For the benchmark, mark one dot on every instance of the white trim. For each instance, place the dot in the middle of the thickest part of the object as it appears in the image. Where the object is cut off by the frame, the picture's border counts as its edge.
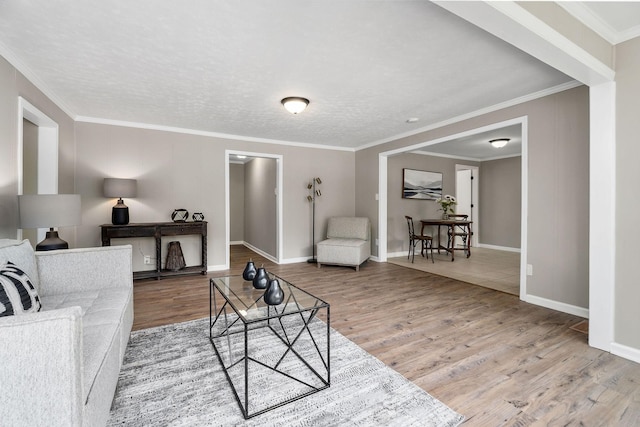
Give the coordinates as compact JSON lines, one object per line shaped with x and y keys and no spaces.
{"x":382,"y":187}
{"x":602,"y":214}
{"x":35,"y":80}
{"x":261,"y":252}
{"x":499,"y":248}
{"x":48,"y":143}
{"x":524,"y":207}
{"x":515,"y":25}
{"x":279,"y":204}
{"x":558,"y":306}
{"x":469,"y":159}
{"x":586,"y":15}
{"x":516,"y":101}
{"x":186,"y":131}
{"x":382,"y":207}
{"x":510,"y":103}
{"x":621,"y":350}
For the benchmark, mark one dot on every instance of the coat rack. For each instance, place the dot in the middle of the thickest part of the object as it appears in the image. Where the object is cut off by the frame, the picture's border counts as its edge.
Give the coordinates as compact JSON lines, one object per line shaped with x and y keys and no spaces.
{"x":314,"y":193}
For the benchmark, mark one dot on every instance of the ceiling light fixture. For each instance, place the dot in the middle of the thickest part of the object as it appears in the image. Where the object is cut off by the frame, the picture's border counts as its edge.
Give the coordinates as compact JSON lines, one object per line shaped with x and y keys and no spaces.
{"x":295,"y":104}
{"x":500,"y":142}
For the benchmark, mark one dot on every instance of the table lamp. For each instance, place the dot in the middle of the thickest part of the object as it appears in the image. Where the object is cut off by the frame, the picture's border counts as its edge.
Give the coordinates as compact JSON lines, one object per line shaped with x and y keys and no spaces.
{"x":49,"y":210}
{"x":116,"y":187}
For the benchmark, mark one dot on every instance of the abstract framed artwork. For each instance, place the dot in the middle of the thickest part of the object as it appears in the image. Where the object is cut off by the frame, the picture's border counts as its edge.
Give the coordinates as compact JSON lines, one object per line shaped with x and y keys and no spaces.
{"x":421,"y":185}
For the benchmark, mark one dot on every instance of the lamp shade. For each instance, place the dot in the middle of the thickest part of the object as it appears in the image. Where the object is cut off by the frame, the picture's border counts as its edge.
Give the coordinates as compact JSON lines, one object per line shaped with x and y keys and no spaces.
{"x":117,"y":187}
{"x":49,"y":210}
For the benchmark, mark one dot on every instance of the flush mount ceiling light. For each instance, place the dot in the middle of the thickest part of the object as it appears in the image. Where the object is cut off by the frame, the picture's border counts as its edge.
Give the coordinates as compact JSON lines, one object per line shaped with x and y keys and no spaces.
{"x":295,"y":104}
{"x":500,"y":142}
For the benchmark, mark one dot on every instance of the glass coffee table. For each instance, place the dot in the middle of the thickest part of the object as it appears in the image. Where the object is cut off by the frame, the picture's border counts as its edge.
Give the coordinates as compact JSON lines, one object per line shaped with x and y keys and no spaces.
{"x":271,"y":354}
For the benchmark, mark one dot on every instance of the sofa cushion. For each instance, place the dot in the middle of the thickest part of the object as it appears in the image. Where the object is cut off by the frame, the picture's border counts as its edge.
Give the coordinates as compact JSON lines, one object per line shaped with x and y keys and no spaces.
{"x":21,"y":254}
{"x":17,"y":293}
{"x":102,"y":313}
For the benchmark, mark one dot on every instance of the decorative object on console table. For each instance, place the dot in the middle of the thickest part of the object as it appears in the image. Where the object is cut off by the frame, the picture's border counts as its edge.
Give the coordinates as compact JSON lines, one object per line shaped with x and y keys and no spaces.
{"x":116,"y":187}
{"x":274,"y":293}
{"x":315,"y":192}
{"x":175,"y":258}
{"x":49,"y":210}
{"x":158,"y":230}
{"x":180,"y":215}
{"x":249,"y":271}
{"x":198,"y":216}
{"x":261,"y":279}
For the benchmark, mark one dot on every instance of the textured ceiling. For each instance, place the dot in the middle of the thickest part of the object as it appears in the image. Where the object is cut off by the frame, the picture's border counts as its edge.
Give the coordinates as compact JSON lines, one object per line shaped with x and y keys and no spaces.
{"x":223,"y":66}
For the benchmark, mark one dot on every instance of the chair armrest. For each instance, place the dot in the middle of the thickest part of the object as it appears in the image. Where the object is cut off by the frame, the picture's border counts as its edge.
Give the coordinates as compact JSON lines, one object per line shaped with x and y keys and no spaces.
{"x":41,"y":369}
{"x":74,"y":270}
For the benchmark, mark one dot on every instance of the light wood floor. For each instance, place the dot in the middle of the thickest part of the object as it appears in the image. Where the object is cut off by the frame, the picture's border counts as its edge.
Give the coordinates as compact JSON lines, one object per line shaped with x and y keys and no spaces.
{"x":487,"y":355}
{"x":493,"y":269}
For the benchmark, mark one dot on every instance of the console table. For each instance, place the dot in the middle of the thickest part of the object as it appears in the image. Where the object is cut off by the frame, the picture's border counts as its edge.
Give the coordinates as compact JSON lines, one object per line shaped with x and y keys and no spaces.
{"x":157,"y":230}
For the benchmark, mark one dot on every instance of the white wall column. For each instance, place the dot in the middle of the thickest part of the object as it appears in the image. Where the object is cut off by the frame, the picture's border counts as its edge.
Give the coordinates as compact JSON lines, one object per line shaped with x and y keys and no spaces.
{"x":602,"y":227}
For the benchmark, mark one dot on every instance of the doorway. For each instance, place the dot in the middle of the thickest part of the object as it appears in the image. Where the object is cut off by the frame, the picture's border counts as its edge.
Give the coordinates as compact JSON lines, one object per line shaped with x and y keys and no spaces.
{"x":383,"y":225}
{"x":265,"y":193}
{"x":37,"y":158}
{"x":467,"y":193}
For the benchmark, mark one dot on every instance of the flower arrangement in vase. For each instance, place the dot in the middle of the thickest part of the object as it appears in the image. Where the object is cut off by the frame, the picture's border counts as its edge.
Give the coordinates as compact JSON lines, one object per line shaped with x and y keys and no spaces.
{"x":446,"y":205}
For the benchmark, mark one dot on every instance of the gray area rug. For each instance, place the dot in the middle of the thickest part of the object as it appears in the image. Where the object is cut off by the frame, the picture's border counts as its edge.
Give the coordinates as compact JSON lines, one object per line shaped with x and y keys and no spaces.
{"x":172,"y":377}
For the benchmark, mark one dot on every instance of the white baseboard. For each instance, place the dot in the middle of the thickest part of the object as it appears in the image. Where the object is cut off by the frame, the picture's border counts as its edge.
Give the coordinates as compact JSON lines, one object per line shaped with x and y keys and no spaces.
{"x":630,"y":353}
{"x":558,"y":306}
{"x":498,"y":248}
{"x":220,"y":267}
{"x":295,"y":260}
{"x":261,"y":252}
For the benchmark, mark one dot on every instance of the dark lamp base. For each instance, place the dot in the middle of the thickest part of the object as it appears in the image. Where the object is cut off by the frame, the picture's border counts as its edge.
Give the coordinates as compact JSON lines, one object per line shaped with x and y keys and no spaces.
{"x":52,"y":242}
{"x":120,"y":214}
{"x":312,"y":261}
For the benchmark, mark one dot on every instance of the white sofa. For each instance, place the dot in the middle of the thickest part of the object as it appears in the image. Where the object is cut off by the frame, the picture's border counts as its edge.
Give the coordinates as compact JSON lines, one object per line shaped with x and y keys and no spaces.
{"x":60,"y":366}
{"x":348,"y":242}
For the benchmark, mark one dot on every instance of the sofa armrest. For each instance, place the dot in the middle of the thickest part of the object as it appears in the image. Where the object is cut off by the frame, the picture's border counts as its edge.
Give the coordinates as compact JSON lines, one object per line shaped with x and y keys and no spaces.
{"x":41,"y":369}
{"x":74,"y":270}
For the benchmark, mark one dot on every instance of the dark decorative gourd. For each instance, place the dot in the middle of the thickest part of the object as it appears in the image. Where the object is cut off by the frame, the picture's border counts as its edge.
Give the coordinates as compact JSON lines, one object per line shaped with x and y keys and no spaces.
{"x":249,"y":271}
{"x":261,"y":279}
{"x":274,"y":293}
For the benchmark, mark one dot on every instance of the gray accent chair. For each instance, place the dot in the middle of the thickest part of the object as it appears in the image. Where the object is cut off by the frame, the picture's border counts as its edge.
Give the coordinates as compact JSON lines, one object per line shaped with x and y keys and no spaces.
{"x":348,"y":242}
{"x":60,"y":366}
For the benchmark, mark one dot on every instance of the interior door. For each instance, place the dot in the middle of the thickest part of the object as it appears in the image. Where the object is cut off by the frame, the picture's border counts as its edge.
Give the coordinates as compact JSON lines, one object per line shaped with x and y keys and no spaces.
{"x":467,"y":195}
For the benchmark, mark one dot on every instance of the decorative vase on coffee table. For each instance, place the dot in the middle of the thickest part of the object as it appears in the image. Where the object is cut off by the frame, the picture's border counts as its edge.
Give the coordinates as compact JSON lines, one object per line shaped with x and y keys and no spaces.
{"x":249,"y":271}
{"x":274,"y":293}
{"x":261,"y":279}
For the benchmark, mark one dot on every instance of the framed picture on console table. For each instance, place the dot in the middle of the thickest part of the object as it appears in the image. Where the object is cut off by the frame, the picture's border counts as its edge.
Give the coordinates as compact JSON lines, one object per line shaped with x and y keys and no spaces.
{"x":421,"y":185}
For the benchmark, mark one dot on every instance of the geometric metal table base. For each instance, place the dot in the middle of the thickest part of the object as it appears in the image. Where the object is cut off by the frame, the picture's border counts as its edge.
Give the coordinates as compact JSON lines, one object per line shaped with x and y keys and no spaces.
{"x":271,"y":355}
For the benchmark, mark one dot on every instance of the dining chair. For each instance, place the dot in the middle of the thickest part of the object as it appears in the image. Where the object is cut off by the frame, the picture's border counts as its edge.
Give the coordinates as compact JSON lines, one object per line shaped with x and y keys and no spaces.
{"x":426,"y":242}
{"x":461,"y":231}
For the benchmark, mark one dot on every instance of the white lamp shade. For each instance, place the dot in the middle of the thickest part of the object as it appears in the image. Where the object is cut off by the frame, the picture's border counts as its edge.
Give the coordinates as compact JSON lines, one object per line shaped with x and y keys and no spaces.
{"x":49,"y":210}
{"x":117,"y":187}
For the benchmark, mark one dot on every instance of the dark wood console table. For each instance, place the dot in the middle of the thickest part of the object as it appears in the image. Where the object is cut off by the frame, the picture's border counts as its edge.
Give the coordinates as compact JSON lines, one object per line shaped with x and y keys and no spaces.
{"x":157,"y":230}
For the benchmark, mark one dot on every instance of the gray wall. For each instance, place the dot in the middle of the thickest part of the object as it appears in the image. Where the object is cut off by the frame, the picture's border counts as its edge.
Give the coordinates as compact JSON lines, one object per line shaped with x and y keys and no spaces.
{"x":558,"y":135}
{"x":397,"y":207}
{"x":500,"y":191}
{"x":236,"y":202}
{"x":260,"y":220}
{"x":12,"y":85}
{"x":176,"y":170}
{"x":627,"y":289}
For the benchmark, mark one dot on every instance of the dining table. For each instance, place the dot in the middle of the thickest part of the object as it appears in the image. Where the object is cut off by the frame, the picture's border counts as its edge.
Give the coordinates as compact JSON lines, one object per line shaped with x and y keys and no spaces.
{"x":450,"y":224}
